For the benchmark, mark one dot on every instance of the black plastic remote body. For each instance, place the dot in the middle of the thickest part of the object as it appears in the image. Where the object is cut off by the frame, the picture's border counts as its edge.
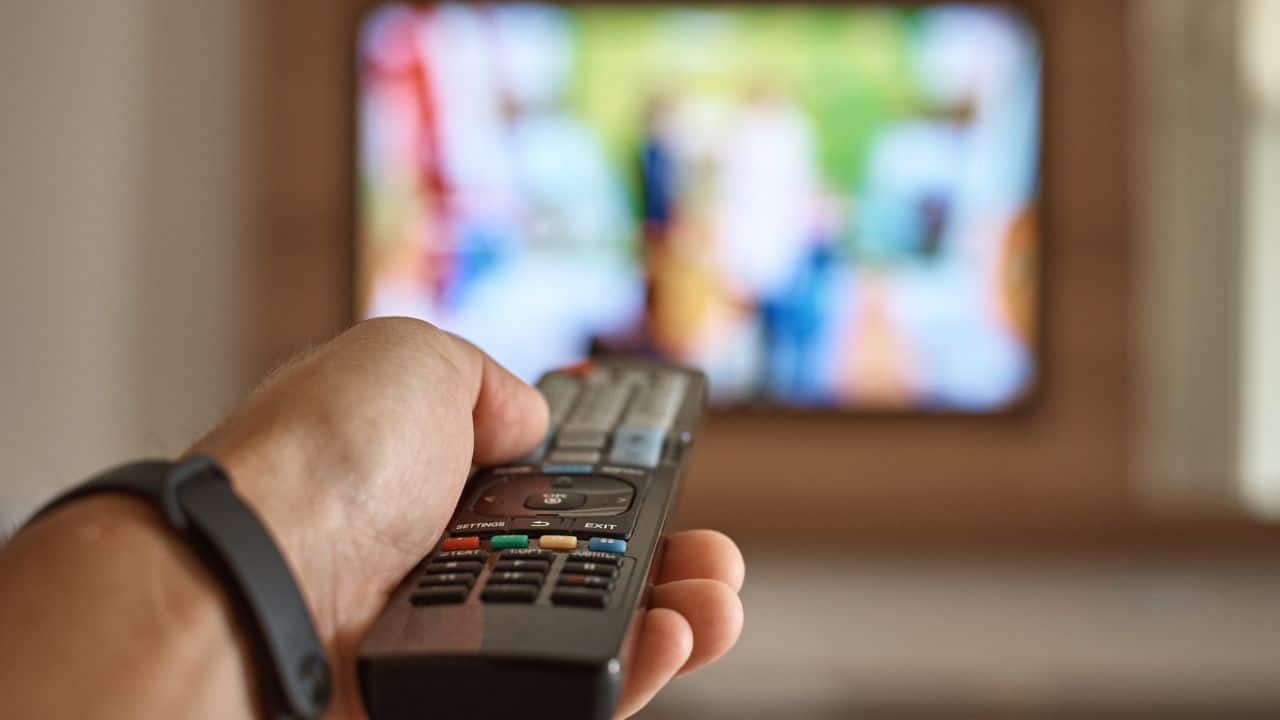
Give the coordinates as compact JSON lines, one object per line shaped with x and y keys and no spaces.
{"x":527,"y":608}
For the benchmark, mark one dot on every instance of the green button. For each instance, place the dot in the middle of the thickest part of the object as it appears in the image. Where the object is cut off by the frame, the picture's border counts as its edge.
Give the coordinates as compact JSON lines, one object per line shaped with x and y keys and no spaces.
{"x":500,"y":542}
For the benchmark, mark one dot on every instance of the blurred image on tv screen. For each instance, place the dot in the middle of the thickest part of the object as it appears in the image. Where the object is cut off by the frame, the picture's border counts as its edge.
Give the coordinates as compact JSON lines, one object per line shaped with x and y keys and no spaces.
{"x":818,"y":206}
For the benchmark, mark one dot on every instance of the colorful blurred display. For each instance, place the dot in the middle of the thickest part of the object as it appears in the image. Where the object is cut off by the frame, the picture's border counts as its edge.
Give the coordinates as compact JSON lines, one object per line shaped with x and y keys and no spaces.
{"x":821,"y":206}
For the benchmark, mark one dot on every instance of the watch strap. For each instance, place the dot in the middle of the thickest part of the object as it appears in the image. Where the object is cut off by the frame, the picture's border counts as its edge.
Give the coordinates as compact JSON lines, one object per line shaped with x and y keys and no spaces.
{"x":196,"y":499}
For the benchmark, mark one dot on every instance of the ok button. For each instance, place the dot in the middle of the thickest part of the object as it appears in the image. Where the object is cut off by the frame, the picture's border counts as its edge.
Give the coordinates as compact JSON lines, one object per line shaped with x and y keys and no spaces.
{"x":555,"y":500}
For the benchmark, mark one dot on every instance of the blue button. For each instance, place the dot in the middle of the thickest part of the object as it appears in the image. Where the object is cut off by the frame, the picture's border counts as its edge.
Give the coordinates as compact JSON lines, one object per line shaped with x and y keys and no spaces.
{"x":570,"y":468}
{"x":608,"y":545}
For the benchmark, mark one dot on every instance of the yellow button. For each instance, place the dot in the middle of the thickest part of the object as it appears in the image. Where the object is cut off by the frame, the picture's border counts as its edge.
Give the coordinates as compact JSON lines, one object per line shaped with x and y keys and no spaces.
{"x":558,"y":542}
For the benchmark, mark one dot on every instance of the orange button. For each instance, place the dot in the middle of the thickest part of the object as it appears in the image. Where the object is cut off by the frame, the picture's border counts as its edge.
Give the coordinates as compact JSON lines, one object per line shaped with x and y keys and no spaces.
{"x":558,"y":542}
{"x":461,"y":543}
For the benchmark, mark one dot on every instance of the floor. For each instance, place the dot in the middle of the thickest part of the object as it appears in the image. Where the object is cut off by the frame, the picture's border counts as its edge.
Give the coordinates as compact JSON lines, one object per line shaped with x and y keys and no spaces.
{"x":839,"y":637}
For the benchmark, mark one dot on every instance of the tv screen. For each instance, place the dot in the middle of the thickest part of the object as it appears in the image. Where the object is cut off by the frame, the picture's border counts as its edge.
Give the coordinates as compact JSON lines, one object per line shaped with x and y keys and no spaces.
{"x":820,"y":206}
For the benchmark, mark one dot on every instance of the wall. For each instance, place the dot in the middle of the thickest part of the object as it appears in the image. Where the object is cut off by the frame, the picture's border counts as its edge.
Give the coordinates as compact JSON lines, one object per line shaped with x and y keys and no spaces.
{"x":121,"y":155}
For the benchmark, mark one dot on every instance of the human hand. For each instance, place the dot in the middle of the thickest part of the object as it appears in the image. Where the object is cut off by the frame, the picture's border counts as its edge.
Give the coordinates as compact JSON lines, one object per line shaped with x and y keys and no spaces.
{"x":355,"y":455}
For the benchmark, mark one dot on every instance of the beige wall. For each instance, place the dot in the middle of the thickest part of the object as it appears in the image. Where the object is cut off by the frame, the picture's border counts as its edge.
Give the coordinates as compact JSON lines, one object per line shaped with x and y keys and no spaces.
{"x":121,"y":143}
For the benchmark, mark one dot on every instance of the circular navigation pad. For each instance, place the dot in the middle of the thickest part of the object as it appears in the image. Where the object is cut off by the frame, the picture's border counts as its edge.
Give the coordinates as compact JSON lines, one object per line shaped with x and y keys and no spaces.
{"x":563,"y":495}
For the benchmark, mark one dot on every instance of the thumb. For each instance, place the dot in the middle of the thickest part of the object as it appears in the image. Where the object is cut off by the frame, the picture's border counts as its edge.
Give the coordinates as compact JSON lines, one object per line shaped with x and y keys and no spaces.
{"x":510,"y":416}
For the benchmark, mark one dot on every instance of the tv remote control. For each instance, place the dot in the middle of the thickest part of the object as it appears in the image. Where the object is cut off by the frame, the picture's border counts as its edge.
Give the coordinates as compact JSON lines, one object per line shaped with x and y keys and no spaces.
{"x":528,"y":607}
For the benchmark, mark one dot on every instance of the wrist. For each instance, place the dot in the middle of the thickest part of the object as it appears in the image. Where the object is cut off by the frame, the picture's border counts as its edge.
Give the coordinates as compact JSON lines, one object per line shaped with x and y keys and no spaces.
{"x":120,"y":581}
{"x":284,"y":472}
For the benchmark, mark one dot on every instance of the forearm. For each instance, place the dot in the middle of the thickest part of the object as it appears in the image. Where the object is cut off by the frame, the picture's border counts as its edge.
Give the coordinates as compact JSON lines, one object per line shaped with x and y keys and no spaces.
{"x":105,"y":613}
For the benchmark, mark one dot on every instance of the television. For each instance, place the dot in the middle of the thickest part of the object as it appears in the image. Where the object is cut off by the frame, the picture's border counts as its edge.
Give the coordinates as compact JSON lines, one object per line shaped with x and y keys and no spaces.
{"x":821,"y":206}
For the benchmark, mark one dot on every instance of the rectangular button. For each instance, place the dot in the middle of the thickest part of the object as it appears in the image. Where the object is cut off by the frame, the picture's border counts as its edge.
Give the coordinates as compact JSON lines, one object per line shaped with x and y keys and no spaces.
{"x":443,"y":595}
{"x":461,"y":555}
{"x":596,"y":557}
{"x":583,"y":597}
{"x":480,"y":527}
{"x":639,"y":378}
{"x":448,"y":579}
{"x":516,"y":578}
{"x":498,"y":542}
{"x":558,"y":542}
{"x":590,"y":568}
{"x":573,"y":456}
{"x":460,"y":543}
{"x":658,"y":405}
{"x":510,"y":593}
{"x":600,"y":407}
{"x":567,"y":468}
{"x":582,"y":439}
{"x":454,"y":566}
{"x":540,"y":525}
{"x":527,"y":554}
{"x":608,"y":545}
{"x":560,"y":391}
{"x":591,"y":581}
{"x":538,"y":566}
{"x":640,"y":446}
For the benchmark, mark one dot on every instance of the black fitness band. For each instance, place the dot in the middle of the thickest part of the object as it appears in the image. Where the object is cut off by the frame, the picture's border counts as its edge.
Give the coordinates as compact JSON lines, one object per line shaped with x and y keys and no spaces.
{"x":197,"y":501}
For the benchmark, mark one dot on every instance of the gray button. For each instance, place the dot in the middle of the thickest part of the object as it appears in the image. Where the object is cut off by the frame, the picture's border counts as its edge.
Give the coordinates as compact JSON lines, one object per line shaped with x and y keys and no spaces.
{"x":638,"y":378}
{"x":560,"y":392}
{"x":637,"y":446}
{"x":599,"y":408}
{"x":582,"y":439}
{"x":598,"y":375}
{"x":657,"y":405}
{"x":574,"y":456}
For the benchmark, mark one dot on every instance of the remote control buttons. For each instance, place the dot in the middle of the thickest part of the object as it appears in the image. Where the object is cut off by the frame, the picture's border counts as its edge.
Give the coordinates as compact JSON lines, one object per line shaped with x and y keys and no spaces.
{"x":637,"y":446}
{"x":516,"y":578}
{"x":657,"y":405}
{"x":538,"y":566}
{"x":580,"y":596}
{"x":450,"y":574}
{"x":448,"y":579}
{"x":590,"y":581}
{"x":510,"y":593}
{"x":560,"y":391}
{"x":555,"y":500}
{"x":498,"y":542}
{"x":567,"y":468}
{"x":608,"y":545}
{"x":574,"y":456}
{"x":590,"y":568}
{"x":461,"y":543}
{"x":558,"y":542}
{"x":455,"y":566}
{"x":582,"y":440}
{"x":540,"y":525}
{"x":600,"y":407}
{"x":442,"y":595}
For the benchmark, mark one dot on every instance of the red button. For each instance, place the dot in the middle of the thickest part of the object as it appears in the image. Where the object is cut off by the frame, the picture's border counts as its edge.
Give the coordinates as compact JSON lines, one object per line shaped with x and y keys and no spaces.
{"x":461,"y":543}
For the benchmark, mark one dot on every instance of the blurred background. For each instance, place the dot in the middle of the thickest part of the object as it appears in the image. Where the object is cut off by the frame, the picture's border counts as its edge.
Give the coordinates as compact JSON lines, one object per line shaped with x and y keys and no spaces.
{"x":1060,"y":501}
